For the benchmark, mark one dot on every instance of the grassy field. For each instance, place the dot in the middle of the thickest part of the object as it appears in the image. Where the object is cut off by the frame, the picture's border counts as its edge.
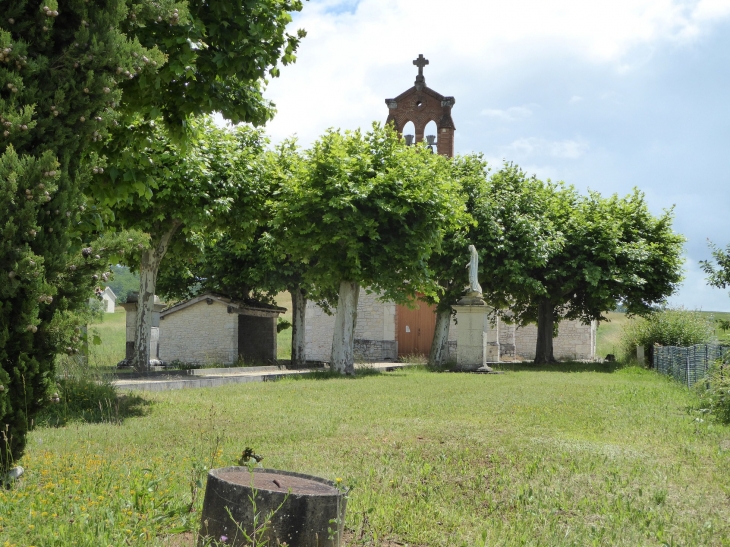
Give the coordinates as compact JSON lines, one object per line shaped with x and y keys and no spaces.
{"x":565,"y":455}
{"x":283,"y":339}
{"x":112,"y":333}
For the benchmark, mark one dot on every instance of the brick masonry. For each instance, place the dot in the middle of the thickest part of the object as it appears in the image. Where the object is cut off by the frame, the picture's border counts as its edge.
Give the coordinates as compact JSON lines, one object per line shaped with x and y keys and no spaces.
{"x":421,"y":105}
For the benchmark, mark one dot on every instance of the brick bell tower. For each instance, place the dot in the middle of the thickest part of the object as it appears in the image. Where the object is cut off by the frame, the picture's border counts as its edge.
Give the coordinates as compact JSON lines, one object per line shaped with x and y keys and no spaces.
{"x":420,"y":105}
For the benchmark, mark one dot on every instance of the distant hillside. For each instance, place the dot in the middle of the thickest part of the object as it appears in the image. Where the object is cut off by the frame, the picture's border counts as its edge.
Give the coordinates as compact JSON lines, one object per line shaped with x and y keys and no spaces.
{"x":123,"y":282}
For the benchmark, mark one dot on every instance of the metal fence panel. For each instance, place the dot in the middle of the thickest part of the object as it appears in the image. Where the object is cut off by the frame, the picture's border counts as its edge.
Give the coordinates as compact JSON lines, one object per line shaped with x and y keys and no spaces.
{"x":688,"y":365}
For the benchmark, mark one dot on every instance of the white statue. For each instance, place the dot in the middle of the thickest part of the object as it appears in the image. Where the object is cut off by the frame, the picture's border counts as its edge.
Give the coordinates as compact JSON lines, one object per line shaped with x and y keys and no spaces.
{"x":473,"y":266}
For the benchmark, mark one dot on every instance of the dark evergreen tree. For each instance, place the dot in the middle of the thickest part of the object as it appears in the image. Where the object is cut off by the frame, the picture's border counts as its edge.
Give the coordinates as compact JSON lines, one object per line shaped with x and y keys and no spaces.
{"x":59,"y":74}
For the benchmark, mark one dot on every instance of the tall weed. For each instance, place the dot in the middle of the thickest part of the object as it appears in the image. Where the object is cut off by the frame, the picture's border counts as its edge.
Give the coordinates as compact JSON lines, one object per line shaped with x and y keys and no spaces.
{"x":86,"y":394}
{"x":714,"y":391}
{"x":667,"y":327}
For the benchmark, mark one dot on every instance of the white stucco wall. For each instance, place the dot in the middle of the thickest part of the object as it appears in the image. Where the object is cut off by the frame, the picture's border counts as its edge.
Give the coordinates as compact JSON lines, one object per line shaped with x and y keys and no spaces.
{"x":202,"y":333}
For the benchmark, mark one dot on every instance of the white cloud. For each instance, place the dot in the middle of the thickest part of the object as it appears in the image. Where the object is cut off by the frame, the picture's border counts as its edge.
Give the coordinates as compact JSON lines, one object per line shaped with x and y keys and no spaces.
{"x":575,"y":99}
{"x":509,"y":114}
{"x":695,"y":293}
{"x":533,"y":146}
{"x":358,"y":53}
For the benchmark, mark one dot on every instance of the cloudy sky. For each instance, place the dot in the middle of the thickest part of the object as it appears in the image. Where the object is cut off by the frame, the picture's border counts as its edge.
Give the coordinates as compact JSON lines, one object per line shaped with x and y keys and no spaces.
{"x":605,"y":95}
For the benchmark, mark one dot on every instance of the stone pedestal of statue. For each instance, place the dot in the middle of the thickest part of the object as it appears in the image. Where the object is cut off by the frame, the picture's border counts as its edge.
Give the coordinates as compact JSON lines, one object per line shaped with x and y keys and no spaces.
{"x":478,"y":339}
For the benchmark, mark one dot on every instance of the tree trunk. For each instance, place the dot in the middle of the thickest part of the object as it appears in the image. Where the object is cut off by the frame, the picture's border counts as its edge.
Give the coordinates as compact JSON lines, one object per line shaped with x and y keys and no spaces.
{"x":149,"y":265}
{"x":440,"y":344}
{"x":545,"y":318}
{"x":299,"y":306}
{"x":343,"y":341}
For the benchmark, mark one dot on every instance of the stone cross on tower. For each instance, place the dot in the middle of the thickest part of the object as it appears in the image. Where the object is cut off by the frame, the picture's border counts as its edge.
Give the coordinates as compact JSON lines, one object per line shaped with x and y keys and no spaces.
{"x":420,"y":63}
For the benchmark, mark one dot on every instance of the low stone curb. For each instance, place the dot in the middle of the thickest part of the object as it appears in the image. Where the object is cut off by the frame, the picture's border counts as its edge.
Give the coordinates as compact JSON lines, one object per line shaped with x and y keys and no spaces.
{"x":218,"y":377}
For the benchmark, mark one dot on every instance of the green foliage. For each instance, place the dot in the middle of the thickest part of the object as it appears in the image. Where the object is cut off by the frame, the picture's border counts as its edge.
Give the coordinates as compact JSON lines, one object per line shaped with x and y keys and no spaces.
{"x":589,"y":252}
{"x":282,"y":324}
{"x":369,"y":209}
{"x":194,"y":183}
{"x":718,"y":272}
{"x":219,"y":54}
{"x":58,"y":99}
{"x":80,"y":395}
{"x":514,"y":235}
{"x":242,"y":260}
{"x":714,"y":391}
{"x":123,"y":282}
{"x":447,"y":262}
{"x":724,"y":324}
{"x":668,"y":327}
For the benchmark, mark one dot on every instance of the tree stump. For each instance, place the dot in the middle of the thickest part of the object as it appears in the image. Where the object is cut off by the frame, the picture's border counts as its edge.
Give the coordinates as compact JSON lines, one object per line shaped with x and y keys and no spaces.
{"x":277,"y":506}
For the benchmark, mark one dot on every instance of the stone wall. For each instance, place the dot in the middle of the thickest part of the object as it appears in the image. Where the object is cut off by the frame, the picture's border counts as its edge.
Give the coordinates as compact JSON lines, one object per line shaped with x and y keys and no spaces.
{"x":318,"y":330}
{"x":376,"y":350}
{"x":376,"y":323}
{"x":575,"y":341}
{"x":202,"y":333}
{"x":374,"y":330}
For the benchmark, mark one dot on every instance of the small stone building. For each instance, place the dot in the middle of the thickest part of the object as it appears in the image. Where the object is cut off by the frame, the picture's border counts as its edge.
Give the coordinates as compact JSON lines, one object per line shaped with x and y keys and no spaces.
{"x":213,"y":328}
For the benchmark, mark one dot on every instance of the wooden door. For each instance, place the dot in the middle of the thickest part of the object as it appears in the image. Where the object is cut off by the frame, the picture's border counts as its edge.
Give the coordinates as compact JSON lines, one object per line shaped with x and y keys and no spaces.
{"x":415,"y":329}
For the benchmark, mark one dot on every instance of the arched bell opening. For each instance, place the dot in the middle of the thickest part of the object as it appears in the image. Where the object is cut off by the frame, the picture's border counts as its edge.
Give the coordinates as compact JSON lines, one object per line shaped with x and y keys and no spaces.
{"x":430,"y":134}
{"x":409,"y":133}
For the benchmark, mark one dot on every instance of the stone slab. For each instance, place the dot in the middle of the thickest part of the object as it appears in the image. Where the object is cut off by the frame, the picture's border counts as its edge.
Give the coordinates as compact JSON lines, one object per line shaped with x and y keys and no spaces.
{"x":215,"y":378}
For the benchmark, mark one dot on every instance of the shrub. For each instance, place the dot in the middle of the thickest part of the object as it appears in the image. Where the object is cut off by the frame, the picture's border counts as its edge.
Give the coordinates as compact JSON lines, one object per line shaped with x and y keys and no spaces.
{"x":714,"y":391}
{"x":667,"y":327}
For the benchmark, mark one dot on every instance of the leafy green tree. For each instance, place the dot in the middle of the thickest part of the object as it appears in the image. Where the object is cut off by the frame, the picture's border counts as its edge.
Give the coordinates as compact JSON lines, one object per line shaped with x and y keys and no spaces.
{"x":219,"y":56}
{"x":666,"y":327}
{"x":508,"y":229}
{"x":612,"y":249}
{"x":183,"y":190}
{"x":447,"y":263}
{"x":367,"y":211}
{"x":718,"y":269}
{"x":58,"y":98}
{"x":250,"y":268}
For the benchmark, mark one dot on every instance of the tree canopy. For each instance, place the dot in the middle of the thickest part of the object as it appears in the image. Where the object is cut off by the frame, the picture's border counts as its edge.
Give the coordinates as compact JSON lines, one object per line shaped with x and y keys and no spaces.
{"x":605,"y":250}
{"x":219,"y":55}
{"x":367,"y":210}
{"x":185,"y":190}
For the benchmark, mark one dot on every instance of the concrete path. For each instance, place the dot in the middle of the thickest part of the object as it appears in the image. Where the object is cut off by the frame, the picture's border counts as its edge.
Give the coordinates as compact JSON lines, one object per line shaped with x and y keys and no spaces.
{"x":214,"y":377}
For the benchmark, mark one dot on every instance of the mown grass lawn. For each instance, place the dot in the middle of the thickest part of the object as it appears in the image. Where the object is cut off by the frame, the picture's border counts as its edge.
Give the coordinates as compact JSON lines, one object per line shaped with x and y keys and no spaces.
{"x":565,"y":455}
